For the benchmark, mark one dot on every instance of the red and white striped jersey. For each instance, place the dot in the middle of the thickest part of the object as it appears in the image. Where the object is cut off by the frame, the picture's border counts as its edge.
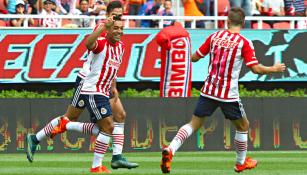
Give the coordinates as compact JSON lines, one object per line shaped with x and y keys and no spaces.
{"x":226,"y":51}
{"x":106,"y":60}
{"x":87,"y":64}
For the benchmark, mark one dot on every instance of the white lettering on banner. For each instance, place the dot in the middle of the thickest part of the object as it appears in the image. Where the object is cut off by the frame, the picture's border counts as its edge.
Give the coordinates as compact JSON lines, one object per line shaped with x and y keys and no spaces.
{"x":178,"y":67}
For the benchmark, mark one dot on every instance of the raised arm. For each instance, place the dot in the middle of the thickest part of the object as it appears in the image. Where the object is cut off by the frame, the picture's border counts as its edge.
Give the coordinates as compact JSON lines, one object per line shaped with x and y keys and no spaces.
{"x":91,"y":40}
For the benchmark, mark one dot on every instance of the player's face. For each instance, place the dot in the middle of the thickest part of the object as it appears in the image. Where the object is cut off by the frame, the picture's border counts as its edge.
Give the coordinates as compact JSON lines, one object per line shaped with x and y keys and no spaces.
{"x":116,"y":31}
{"x":115,"y":12}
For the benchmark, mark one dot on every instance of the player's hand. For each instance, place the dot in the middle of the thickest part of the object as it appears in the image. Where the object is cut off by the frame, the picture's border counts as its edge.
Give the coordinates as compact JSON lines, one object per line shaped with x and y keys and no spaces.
{"x":109,"y":21}
{"x":115,"y":94}
{"x":279,"y":67}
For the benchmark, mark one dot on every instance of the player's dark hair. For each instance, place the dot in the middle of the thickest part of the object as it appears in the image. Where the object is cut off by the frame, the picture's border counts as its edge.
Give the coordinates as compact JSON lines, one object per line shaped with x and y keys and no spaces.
{"x":113,"y":5}
{"x":236,"y":16}
{"x":83,"y":0}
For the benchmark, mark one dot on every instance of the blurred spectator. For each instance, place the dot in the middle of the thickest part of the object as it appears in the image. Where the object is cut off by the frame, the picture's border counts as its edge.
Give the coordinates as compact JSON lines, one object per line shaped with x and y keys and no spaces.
{"x":191,"y":9}
{"x":257,"y":7}
{"x":20,"y":10}
{"x":47,"y":10}
{"x":295,"y":7}
{"x":11,"y":6}
{"x":66,"y":6}
{"x":149,"y":4}
{"x":246,"y":6}
{"x":151,"y":8}
{"x":208,"y":7}
{"x":134,"y":6}
{"x":273,"y":7}
{"x":167,"y":11}
{"x":84,"y":10}
{"x":34,"y":6}
{"x":100,"y":7}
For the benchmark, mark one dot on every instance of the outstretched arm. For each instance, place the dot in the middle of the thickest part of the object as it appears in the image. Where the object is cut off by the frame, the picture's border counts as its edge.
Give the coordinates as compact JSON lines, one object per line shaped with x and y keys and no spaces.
{"x":195,"y":57}
{"x":260,"y":69}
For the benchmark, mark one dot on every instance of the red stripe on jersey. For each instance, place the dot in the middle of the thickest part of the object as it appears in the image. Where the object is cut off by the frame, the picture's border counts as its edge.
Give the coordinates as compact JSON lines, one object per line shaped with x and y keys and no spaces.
{"x":233,"y":56}
{"x":103,"y":68}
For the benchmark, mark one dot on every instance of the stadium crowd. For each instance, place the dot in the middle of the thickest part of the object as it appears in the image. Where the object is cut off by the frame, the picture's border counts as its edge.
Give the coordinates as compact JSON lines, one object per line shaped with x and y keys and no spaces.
{"x":149,"y":8}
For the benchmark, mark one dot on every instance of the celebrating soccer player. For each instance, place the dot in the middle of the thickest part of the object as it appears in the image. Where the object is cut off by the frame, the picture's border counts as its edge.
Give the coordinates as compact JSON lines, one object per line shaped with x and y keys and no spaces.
{"x":227,"y":49}
{"x":61,"y":124}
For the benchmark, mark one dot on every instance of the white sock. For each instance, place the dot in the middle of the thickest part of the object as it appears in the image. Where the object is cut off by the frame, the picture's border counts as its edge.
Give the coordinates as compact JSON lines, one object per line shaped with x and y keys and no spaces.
{"x":101,"y":146}
{"x":46,"y":131}
{"x":184,"y":132}
{"x":85,"y":128}
{"x":241,"y":146}
{"x":118,"y":138}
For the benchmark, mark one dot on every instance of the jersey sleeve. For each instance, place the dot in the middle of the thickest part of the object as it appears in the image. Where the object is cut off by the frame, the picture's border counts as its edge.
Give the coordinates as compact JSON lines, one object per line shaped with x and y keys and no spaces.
{"x":248,"y":54}
{"x":204,"y":48}
{"x":100,"y":43}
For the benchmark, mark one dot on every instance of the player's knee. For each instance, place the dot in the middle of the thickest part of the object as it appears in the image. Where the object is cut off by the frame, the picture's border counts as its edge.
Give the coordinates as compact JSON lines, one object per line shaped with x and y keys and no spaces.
{"x":109,"y":129}
{"x":120,"y":117}
{"x":243,"y":126}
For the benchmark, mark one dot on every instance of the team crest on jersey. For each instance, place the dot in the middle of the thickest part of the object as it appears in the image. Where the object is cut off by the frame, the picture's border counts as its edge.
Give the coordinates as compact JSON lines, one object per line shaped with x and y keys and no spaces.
{"x":103,"y":111}
{"x":81,"y":103}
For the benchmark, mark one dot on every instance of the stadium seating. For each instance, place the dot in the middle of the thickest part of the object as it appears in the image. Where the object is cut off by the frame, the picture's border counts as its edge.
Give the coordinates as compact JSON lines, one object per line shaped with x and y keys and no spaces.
{"x":36,"y":23}
{"x":2,"y":23}
{"x":264,"y":25}
{"x":67,"y":23}
{"x":281,"y":25}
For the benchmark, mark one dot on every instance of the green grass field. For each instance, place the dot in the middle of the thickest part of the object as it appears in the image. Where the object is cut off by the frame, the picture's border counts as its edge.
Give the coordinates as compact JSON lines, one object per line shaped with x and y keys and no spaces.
{"x":198,"y":163}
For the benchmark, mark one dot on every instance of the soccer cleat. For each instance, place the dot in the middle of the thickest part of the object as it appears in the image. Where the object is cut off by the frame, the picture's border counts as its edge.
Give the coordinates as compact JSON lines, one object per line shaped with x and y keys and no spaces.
{"x":118,"y":161}
{"x":60,"y":128}
{"x":248,"y":164}
{"x":31,"y":147}
{"x":100,"y":169}
{"x":166,"y":161}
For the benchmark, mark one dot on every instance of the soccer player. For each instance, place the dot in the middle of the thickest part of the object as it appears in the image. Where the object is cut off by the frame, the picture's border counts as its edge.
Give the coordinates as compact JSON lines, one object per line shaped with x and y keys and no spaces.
{"x":77,"y":106}
{"x":227,"y":49}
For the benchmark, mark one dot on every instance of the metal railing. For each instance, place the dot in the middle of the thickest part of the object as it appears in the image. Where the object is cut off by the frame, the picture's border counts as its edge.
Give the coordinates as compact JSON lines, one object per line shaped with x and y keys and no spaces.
{"x":161,"y":19}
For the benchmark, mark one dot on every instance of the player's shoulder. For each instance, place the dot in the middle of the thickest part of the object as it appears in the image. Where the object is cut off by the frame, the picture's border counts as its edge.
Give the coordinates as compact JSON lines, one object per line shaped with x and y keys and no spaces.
{"x":244,"y":38}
